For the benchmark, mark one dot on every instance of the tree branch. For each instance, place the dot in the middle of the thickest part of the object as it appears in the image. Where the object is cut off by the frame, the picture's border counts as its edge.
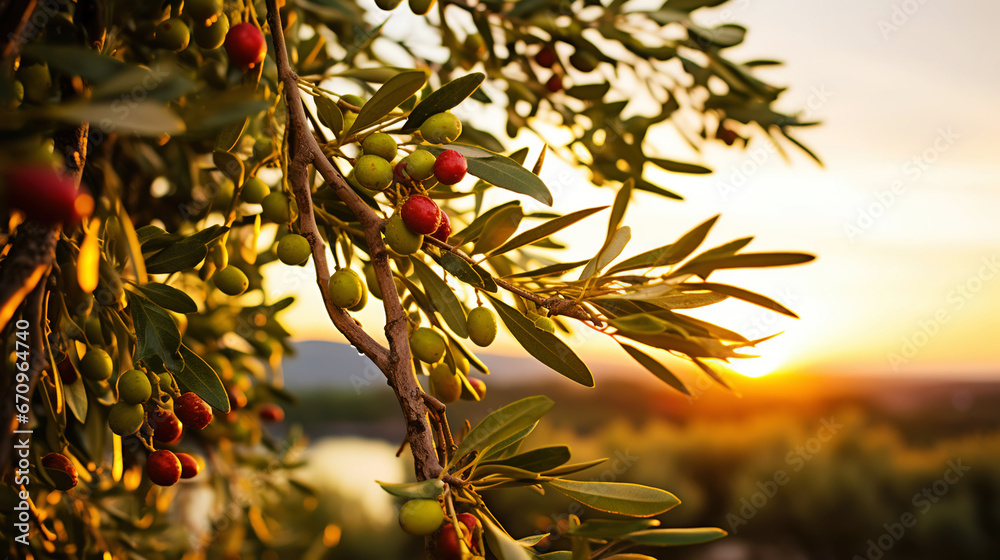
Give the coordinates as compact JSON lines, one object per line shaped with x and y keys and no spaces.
{"x":397,"y":367}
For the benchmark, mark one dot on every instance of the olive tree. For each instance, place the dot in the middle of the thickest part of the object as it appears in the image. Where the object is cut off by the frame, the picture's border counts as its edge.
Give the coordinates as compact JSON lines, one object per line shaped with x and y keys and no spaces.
{"x":156,"y":155}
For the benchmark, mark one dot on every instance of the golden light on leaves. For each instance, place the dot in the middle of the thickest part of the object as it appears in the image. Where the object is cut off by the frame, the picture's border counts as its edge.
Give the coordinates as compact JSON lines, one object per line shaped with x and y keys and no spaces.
{"x":90,"y":257}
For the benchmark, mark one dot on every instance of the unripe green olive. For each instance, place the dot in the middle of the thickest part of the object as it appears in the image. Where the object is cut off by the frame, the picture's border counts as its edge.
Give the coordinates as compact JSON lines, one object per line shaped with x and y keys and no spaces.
{"x":388,"y":5}
{"x":166,"y":381}
{"x":231,"y":281}
{"x":203,"y":10}
{"x":446,"y":385}
{"x":399,"y":238}
{"x":482,"y":325}
{"x":583,"y":61}
{"x":36,"y":82}
{"x":546,"y":324}
{"x":15,"y":96}
{"x":421,"y":517}
{"x":126,"y":419}
{"x":96,"y":365}
{"x":373,"y":172}
{"x":380,"y":144}
{"x":293,"y":249}
{"x":254,"y":190}
{"x":461,"y":362}
{"x":372,"y":281}
{"x":173,"y":34}
{"x":420,"y":164}
{"x":421,"y":7}
{"x":275,"y":207}
{"x":361,"y":304}
{"x":428,"y":345}
{"x":346,"y":288}
{"x":213,"y":35}
{"x":134,"y":387}
{"x":442,"y":128}
{"x":355,"y":100}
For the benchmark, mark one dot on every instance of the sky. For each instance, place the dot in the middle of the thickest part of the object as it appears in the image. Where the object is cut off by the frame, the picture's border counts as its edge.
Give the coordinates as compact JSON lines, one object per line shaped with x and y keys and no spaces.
{"x":902,"y":216}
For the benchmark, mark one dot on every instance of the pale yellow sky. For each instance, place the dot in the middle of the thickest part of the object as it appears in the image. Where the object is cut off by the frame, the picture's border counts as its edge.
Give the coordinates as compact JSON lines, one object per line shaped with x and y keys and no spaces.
{"x":914,"y":287}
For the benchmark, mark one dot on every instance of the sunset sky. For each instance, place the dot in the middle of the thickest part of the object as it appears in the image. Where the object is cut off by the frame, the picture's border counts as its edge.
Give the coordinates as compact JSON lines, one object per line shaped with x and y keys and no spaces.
{"x":902,"y":218}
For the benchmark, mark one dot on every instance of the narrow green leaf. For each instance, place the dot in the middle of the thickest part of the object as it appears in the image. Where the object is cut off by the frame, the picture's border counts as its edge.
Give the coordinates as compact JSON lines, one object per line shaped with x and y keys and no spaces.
{"x":473,"y":359}
{"x":640,"y":323}
{"x":618,"y":211}
{"x":199,"y":378}
{"x":459,"y":268}
{"x":543,"y":345}
{"x":612,"y":248}
{"x":611,"y":529}
{"x":634,"y":500}
{"x":498,"y":473}
{"x":711,"y":373}
{"x":330,"y":115}
{"x":169,"y":297}
{"x":145,"y":118}
{"x":472,"y":232}
{"x":629,"y":556}
{"x":567,"y":470}
{"x":508,"y":447}
{"x":746,"y":260}
{"x":589,"y":92}
{"x":656,"y":368}
{"x":550,"y":270}
{"x":679,"y":167}
{"x":504,"y":423}
{"x":501,"y":171}
{"x":536,"y":460}
{"x":444,"y":98}
{"x":545,"y":230}
{"x":501,"y":544}
{"x":184,"y":254}
{"x":155,"y":331}
{"x":532,"y":540}
{"x":745,"y":295}
{"x":668,"y":254}
{"x":230,"y":165}
{"x":689,"y":347}
{"x":498,"y":229}
{"x":427,"y":489}
{"x":443,"y":297}
{"x":675,"y":537}
{"x":78,"y":61}
{"x":76,"y":399}
{"x":393,"y":92}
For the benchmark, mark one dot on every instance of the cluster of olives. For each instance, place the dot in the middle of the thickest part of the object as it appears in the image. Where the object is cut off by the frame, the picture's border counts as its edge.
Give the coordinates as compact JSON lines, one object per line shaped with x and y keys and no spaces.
{"x":210,"y":26}
{"x":293,"y":249}
{"x":166,"y":417}
{"x":422,"y":517}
